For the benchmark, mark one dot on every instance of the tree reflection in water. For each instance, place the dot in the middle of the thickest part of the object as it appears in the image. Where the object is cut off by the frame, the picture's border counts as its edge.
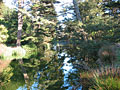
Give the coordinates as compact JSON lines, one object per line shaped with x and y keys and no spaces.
{"x":50,"y":71}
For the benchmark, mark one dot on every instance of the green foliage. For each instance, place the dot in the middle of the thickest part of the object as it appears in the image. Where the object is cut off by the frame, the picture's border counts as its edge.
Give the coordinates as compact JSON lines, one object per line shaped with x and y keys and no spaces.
{"x":113,"y":8}
{"x":10,"y":22}
{"x":11,"y":77}
{"x":31,"y":50}
{"x":85,"y":39}
{"x":6,"y":75}
{"x":52,"y":76}
{"x":3,"y":34}
{"x":96,"y":31}
{"x":108,"y":83}
{"x":104,"y":78}
{"x":4,"y":10}
{"x":34,"y":29}
{"x":36,"y":37}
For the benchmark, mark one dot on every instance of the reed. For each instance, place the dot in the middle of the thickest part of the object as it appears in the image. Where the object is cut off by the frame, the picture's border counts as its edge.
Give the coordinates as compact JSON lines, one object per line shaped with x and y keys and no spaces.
{"x":99,"y":79}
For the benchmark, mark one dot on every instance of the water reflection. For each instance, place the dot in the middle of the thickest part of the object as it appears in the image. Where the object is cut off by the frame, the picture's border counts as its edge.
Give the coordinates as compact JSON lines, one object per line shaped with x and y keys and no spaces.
{"x":68,"y":69}
{"x":34,"y":86}
{"x":47,"y":72}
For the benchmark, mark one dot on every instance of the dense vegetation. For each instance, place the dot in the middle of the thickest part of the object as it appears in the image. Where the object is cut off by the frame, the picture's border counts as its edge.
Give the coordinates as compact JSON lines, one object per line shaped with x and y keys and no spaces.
{"x":90,"y":39}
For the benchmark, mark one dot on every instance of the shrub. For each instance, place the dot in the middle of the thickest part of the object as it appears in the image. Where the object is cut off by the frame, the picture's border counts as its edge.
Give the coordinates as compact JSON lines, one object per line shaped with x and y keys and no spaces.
{"x":106,"y":78}
{"x":109,"y":83}
{"x":3,"y":34}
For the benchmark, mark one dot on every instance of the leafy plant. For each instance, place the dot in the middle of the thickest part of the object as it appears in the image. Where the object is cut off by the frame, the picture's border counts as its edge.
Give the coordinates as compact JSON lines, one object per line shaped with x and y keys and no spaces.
{"x":109,"y":83}
{"x":106,"y":78}
{"x":3,"y":33}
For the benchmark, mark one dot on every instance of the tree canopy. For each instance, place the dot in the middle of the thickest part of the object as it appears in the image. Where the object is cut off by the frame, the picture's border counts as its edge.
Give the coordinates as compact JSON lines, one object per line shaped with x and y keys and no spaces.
{"x":87,"y":42}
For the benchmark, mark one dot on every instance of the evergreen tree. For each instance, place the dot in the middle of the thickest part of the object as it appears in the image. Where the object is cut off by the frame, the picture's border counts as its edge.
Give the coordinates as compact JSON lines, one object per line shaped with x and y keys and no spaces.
{"x":77,"y":10}
{"x":19,"y":35}
{"x":111,"y":7}
{"x":20,"y":23}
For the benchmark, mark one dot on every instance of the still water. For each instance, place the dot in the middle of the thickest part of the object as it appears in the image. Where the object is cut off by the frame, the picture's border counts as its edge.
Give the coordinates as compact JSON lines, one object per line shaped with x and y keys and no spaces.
{"x":47,"y":71}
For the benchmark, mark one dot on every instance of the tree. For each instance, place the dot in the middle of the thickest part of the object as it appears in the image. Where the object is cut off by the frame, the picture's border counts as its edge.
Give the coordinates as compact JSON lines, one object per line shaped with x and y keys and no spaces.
{"x":1,"y":6}
{"x":101,"y":30}
{"x":112,"y":7}
{"x":76,"y":8}
{"x":19,"y":34}
{"x":20,"y":22}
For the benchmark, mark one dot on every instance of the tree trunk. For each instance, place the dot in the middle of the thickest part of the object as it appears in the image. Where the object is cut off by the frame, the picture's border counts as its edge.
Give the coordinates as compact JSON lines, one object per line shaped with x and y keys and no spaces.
{"x":1,"y":1}
{"x":76,"y":8}
{"x":20,"y":23}
{"x":19,"y":34}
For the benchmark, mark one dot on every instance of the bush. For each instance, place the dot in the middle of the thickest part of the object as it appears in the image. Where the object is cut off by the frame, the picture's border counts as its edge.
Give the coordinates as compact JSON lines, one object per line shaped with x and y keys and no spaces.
{"x":31,"y":50}
{"x":106,"y":78}
{"x":3,"y":34}
{"x":108,"y":83}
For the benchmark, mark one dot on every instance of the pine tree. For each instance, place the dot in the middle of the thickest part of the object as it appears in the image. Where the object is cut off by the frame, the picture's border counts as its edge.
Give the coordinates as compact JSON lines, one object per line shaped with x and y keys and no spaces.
{"x":19,"y":35}
{"x":76,"y":8}
{"x":111,"y":7}
{"x":20,"y":23}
